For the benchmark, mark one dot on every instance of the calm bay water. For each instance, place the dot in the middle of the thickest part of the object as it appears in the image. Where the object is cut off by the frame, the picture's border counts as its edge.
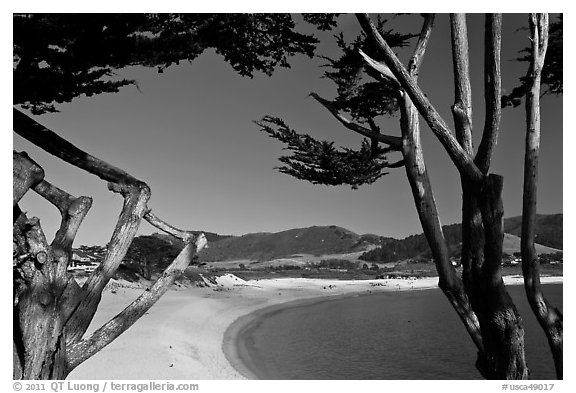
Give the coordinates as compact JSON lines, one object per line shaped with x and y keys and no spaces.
{"x":401,"y":335}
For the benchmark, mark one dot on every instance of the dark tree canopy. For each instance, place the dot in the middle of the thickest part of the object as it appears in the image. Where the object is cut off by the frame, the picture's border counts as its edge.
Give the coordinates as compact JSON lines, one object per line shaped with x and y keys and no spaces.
{"x":551,"y":72}
{"x":58,"y":57}
{"x":362,"y":98}
{"x":319,"y":162}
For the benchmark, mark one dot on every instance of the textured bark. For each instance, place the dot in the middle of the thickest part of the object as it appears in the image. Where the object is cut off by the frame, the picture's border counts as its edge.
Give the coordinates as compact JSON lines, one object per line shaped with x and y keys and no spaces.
{"x":84,"y":349}
{"x":135,"y":201}
{"x":72,"y":210}
{"x":39,"y":335}
{"x":462,"y":108}
{"x":492,"y":90}
{"x":26,"y":174}
{"x":501,"y":324}
{"x":51,"y":312}
{"x":549,"y":317}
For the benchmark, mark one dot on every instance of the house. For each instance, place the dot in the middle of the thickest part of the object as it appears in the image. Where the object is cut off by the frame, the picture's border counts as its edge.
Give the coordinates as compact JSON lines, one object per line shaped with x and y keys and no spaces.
{"x":85,"y":261}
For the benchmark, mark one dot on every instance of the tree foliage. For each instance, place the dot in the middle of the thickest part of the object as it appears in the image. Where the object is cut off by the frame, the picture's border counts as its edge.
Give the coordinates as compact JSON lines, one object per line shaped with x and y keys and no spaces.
{"x":58,"y":57}
{"x":552,"y":77}
{"x":319,"y":162}
{"x":151,"y":254}
{"x":364,"y":98}
{"x":364,"y":95}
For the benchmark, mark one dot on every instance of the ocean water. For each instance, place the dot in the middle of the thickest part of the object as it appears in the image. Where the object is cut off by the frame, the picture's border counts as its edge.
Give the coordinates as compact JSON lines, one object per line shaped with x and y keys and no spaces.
{"x":400,"y":335}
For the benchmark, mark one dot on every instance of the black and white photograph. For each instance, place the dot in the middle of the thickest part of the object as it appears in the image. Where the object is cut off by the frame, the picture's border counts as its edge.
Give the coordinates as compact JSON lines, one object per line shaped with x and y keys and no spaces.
{"x":287,"y":196}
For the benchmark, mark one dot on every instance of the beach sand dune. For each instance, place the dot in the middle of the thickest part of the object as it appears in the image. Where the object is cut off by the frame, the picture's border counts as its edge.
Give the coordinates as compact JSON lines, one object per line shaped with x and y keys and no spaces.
{"x":181,"y":337}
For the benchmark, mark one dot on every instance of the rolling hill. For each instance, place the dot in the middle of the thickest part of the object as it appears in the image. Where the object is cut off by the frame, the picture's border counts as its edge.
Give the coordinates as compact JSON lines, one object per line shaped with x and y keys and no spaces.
{"x":548,"y":229}
{"x":548,"y":238}
{"x":316,"y":240}
{"x":339,"y":242}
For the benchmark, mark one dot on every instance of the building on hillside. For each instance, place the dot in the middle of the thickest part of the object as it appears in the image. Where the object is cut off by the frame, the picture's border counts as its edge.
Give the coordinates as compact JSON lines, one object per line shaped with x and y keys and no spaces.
{"x":82,"y":260}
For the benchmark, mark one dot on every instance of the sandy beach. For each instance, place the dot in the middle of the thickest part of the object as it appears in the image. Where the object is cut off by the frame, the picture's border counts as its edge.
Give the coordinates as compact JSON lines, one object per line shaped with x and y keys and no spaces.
{"x":186,"y":334}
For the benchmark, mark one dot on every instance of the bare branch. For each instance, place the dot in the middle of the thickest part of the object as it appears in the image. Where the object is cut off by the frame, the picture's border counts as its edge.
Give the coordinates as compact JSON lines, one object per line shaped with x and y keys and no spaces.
{"x":26,"y":174}
{"x":492,"y":91}
{"x":379,"y":67}
{"x":397,"y":164}
{"x":132,"y":212}
{"x":185,"y":236}
{"x":462,"y":108}
{"x":418,"y":55}
{"x":73,"y":210}
{"x":472,"y":231}
{"x":52,"y":143}
{"x":79,"y":352}
{"x":393,"y":141}
{"x":461,"y":159}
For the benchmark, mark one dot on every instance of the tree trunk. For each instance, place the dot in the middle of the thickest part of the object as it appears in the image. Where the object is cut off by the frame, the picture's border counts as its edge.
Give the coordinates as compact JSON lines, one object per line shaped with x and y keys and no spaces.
{"x":449,"y":282}
{"x":51,"y":311}
{"x":549,"y":317}
{"x":501,"y":324}
{"x":39,"y":338}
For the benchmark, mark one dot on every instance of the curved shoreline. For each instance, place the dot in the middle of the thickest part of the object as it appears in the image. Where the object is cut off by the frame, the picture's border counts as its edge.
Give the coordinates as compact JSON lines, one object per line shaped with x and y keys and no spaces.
{"x":196,"y":333}
{"x":235,"y":348}
{"x":234,"y":345}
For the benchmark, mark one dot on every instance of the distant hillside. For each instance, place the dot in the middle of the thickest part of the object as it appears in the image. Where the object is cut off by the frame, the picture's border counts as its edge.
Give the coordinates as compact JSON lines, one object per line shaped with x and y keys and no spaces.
{"x":548,"y":229}
{"x":210,"y":236}
{"x":316,"y":240}
{"x":548,"y":234}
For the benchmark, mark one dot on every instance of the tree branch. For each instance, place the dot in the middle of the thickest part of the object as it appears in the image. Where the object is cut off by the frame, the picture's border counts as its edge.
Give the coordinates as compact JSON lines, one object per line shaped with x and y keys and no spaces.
{"x":492,"y":90}
{"x":73,"y":210}
{"x":397,"y":164}
{"x":79,"y":352}
{"x":418,"y":55}
{"x":135,"y":192}
{"x":462,"y":108}
{"x":393,"y":141}
{"x":461,"y":159}
{"x":185,"y":236}
{"x":26,"y":174}
{"x":132,"y":212}
{"x":52,"y":143}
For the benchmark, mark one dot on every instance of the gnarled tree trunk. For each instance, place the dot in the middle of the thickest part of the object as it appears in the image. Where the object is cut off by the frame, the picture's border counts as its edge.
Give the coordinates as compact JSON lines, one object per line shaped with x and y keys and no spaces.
{"x":51,"y":311}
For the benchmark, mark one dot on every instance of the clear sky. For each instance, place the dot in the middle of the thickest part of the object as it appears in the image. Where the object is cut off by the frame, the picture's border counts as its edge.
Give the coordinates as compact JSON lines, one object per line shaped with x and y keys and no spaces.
{"x":189,"y":134}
